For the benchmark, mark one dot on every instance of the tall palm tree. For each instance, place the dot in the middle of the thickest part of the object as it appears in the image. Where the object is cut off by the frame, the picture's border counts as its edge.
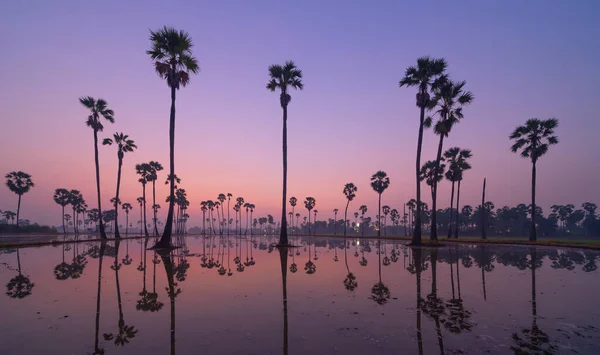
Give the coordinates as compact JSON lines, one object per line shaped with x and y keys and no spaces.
{"x":533,"y":140}
{"x":335,"y":212}
{"x":156,"y":167}
{"x":363,"y":211}
{"x":430,"y":173}
{"x":61,"y":197}
{"x":450,"y":98}
{"x":293,"y":203}
{"x":173,"y":61}
{"x":459,"y":167}
{"x":124,"y":145}
{"x":144,"y":171}
{"x":386,"y":211}
{"x":127,"y":207}
{"x":315,"y":222}
{"x":350,"y":193}
{"x":141,"y":201}
{"x":282,"y":78}
{"x":229,"y":195}
{"x":424,"y":75}
{"x":20,"y":183}
{"x":222,"y":199}
{"x":379,"y":182}
{"x":309,"y":204}
{"x":98,"y":110}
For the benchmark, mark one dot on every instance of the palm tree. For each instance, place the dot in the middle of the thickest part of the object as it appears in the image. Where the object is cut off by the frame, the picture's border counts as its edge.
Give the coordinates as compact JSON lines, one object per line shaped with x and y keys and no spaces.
{"x":534,"y":139}
{"x":282,"y":78}
{"x":156,"y":167}
{"x":363,"y":211}
{"x":386,"y":211}
{"x":173,"y":61}
{"x":144,"y":171}
{"x":450,"y":98}
{"x":379,"y":182}
{"x":127,"y":207}
{"x":309,"y":204}
{"x":424,"y":75}
{"x":335,"y":212}
{"x":61,"y":197}
{"x":350,"y":193}
{"x":75,"y":200}
{"x":229,"y":195}
{"x":293,"y":203}
{"x":141,"y":201}
{"x":99,"y":109}
{"x":459,"y":167}
{"x":431,"y":173}
{"x":412,"y":205}
{"x":124,"y":144}
{"x":19,"y":183}
{"x":222,"y":199}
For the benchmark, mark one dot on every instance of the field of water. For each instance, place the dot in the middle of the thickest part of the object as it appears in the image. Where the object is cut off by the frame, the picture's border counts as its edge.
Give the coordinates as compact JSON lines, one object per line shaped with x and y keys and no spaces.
{"x":239,"y":295}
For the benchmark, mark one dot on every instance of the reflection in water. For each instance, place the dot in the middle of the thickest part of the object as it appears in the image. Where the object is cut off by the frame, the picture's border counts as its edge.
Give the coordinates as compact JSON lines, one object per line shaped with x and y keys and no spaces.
{"x":455,"y":313}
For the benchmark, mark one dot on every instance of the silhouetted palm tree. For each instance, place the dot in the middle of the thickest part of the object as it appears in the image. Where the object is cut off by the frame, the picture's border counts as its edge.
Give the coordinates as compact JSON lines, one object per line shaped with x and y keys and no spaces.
{"x":19,"y":286}
{"x":156,"y":167}
{"x":386,"y":210}
{"x":380,"y":293}
{"x":127,"y":207}
{"x":61,"y":197}
{"x":141,"y":201}
{"x":144,"y":171}
{"x":309,"y":204}
{"x":428,"y":173}
{"x":457,"y":159}
{"x":450,"y":99}
{"x":221,"y":198}
{"x":424,"y":75}
{"x":229,"y":195}
{"x":98,"y":110}
{"x":363,"y":211}
{"x":534,"y":139}
{"x":379,"y":182}
{"x":350,"y":193}
{"x":124,"y":145}
{"x":335,"y":212}
{"x":293,"y":203}
{"x":173,"y":61}
{"x":282,"y":78}
{"x":20,"y":183}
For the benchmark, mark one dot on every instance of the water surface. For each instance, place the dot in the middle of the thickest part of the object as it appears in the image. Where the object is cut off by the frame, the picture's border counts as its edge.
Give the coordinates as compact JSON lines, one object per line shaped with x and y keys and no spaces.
{"x":237,"y":295}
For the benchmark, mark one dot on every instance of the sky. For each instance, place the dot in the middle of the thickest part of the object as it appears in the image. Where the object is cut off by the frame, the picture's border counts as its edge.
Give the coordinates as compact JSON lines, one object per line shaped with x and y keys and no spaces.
{"x":520,"y":59}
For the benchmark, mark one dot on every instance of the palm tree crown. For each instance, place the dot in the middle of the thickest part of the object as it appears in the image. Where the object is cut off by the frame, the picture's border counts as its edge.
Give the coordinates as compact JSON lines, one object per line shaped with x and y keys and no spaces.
{"x":172,"y":55}
{"x":98,"y":109}
{"x":380,"y":182}
{"x":534,"y":138}
{"x":282,"y":77}
{"x":350,"y":191}
{"x":450,"y":97}
{"x":19,"y":182}
{"x":424,"y":76}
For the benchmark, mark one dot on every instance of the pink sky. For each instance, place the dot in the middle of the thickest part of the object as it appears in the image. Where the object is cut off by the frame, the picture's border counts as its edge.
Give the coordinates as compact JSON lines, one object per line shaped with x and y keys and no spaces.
{"x":350,"y":121}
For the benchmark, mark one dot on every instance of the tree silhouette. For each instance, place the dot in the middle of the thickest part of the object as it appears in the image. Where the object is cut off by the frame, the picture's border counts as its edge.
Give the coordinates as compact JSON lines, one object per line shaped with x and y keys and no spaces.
{"x":153,"y":176}
{"x":424,"y":76}
{"x":19,"y":286}
{"x":281,"y":78}
{"x":124,"y":145}
{"x":100,"y":256}
{"x":173,"y":61}
{"x":293,"y":203}
{"x":127,"y":207}
{"x":61,"y":197}
{"x":450,"y":98}
{"x":20,"y":183}
{"x":533,"y":140}
{"x":350,"y":193}
{"x":309,"y":204}
{"x":144,"y":170}
{"x":363,"y":211}
{"x":379,"y":182}
{"x":380,"y":293}
{"x":457,"y":166}
{"x":98,"y":110}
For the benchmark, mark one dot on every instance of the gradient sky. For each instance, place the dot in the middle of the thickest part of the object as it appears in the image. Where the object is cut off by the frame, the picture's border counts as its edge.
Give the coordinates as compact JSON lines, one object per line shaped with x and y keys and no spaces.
{"x":521,"y":59}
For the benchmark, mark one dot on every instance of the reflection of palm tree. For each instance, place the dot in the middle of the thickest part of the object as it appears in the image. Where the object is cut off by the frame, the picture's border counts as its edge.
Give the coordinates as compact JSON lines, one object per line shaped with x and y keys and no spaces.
{"x":310,"y":267}
{"x":416,"y":253}
{"x":173,"y":292}
{"x":283,"y":257}
{"x":19,"y":286}
{"x":485,"y":261}
{"x":126,"y":332}
{"x":458,"y":317}
{"x":380,"y":293}
{"x":98,"y":350}
{"x":534,"y":340}
{"x":434,"y":306}
{"x":350,"y":281}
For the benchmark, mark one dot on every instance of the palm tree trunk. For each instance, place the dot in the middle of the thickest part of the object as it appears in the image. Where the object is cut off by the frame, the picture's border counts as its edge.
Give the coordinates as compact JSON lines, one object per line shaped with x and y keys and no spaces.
{"x":483,"y":211}
{"x":102,"y":232}
{"x":153,"y":206}
{"x":283,"y":237}
{"x":403,"y":217}
{"x":63,"y":220}
{"x":417,"y":262}
{"x":126,"y":224}
{"x":102,"y":249}
{"x":228,"y":226}
{"x":532,"y":233}
{"x":416,"y":239}
{"x":457,"y":210}
{"x":451,"y":211}
{"x":379,"y":217}
{"x":144,"y":219}
{"x":345,"y":219}
{"x":433,"y":235}
{"x":141,"y":218}
{"x":117,"y":235}
{"x":165,"y":240}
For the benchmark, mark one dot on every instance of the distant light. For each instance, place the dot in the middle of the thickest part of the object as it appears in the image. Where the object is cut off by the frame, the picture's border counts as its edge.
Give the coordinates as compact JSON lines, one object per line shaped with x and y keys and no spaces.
{"x":357,"y":242}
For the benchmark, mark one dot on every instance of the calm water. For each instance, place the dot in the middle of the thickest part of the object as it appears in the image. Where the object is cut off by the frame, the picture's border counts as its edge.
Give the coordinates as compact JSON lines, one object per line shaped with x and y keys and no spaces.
{"x":228,"y":296}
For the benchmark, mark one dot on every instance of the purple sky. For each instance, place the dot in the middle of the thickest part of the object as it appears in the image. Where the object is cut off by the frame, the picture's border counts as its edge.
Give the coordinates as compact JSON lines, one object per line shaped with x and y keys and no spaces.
{"x":521,"y":59}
